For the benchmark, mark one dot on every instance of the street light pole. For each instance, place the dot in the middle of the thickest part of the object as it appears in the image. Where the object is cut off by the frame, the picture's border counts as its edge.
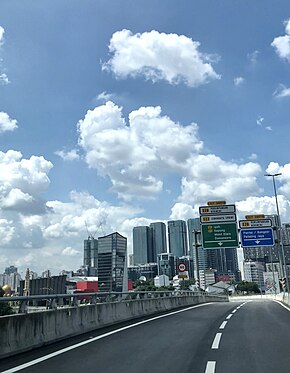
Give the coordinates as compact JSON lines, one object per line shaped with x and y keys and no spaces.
{"x":279,"y":235}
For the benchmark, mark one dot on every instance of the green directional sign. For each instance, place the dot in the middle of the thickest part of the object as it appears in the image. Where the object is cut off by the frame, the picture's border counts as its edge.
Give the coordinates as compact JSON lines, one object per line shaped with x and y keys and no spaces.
{"x":216,"y":236}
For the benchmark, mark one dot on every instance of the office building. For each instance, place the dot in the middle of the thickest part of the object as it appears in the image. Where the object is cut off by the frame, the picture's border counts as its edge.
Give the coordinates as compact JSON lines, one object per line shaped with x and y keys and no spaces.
{"x":177,"y":237}
{"x":112,"y":263}
{"x":148,"y":270}
{"x":166,"y":265}
{"x":254,"y":272}
{"x":196,"y":251}
{"x":91,"y":256}
{"x":159,"y":244}
{"x":224,"y":261}
{"x":142,"y":245}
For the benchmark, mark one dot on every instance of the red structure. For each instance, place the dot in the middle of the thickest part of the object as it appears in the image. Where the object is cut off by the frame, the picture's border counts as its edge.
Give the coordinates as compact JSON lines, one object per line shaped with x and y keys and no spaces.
{"x":87,"y":286}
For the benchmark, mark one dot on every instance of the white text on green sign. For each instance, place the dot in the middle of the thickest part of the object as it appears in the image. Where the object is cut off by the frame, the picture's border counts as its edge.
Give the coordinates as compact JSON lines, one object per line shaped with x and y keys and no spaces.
{"x":219,"y":235}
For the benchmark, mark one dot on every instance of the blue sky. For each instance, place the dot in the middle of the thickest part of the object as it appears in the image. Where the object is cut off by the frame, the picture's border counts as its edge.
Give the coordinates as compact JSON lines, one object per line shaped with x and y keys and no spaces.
{"x":119,"y":113}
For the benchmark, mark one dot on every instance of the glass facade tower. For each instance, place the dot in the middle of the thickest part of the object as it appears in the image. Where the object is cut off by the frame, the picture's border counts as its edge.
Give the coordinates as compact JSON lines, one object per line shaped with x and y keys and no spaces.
{"x":112,"y":263}
{"x":159,"y":244}
{"x":177,"y":237}
{"x":142,"y":245}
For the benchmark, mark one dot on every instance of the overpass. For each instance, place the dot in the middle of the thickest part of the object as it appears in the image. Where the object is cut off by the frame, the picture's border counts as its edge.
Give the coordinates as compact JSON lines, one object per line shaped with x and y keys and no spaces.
{"x":250,"y":335}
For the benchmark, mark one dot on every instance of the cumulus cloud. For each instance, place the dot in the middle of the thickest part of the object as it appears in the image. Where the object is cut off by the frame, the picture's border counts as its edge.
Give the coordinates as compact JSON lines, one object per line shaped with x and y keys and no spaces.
{"x":211,"y":178}
{"x":264,"y":205}
{"x":6,"y":123}
{"x":239,"y":80}
{"x":282,"y":91}
{"x":282,"y":43}
{"x":70,"y":155}
{"x":136,"y":156}
{"x":22,"y":181}
{"x":159,"y":56}
{"x":3,"y":77}
{"x":283,"y":180}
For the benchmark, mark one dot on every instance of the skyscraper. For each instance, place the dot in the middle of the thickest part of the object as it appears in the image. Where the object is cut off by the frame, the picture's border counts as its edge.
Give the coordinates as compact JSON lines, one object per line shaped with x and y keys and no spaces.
{"x":159,"y":244}
{"x":196,"y":251}
{"x":142,"y":245}
{"x":91,"y":256}
{"x":177,"y":237}
{"x":112,"y":263}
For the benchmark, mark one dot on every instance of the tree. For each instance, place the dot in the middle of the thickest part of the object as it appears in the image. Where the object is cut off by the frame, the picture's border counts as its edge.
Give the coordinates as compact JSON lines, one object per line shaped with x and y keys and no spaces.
{"x":248,"y":287}
{"x":5,"y":309}
{"x":185,"y":284}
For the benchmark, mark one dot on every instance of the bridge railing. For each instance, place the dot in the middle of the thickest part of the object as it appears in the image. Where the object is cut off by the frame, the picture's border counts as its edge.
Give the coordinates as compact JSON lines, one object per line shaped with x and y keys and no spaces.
{"x":35,"y":303}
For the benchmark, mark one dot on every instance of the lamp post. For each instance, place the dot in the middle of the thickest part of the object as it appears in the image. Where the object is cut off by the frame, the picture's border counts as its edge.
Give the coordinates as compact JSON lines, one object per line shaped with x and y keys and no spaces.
{"x":279,"y":235}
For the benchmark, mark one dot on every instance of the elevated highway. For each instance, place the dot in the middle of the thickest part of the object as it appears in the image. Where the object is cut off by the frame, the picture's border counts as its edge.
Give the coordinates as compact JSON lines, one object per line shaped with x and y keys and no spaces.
{"x":250,"y":335}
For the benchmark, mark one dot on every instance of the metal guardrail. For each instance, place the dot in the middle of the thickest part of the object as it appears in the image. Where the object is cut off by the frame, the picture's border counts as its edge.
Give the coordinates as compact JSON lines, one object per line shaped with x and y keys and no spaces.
{"x":34,"y":303}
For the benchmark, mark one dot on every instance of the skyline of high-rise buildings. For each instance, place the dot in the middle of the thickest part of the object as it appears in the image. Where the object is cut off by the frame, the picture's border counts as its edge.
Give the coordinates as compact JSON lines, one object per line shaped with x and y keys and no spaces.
{"x":183,"y":241}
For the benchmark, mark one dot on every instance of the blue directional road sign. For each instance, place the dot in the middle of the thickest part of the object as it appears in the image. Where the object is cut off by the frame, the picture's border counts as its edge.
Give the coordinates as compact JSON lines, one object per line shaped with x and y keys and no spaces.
{"x":256,"y":237}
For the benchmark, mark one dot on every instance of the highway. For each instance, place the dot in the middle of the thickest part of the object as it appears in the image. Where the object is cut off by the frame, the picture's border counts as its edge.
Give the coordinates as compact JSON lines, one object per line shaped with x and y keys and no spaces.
{"x":246,"y":336}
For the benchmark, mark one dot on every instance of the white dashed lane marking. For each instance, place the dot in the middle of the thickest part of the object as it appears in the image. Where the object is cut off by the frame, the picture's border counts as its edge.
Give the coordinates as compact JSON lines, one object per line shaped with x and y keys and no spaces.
{"x":223,"y":325}
{"x":210,"y":367}
{"x":216,"y":341}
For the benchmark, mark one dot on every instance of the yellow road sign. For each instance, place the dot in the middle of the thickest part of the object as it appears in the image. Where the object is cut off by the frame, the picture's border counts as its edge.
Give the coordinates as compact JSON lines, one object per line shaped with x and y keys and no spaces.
{"x":255,"y":217}
{"x":216,"y":203}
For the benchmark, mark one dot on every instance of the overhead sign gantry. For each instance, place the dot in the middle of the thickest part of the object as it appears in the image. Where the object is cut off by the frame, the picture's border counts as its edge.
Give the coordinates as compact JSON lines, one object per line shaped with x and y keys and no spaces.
{"x":218,"y":225}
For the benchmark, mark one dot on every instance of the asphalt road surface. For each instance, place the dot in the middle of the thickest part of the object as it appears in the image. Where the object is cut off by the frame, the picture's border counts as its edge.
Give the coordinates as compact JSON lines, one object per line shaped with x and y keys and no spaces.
{"x":250,"y":336}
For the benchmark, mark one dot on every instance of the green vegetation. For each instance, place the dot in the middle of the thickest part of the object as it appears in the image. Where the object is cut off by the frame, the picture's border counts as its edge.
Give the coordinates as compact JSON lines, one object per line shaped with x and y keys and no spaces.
{"x":248,"y":287}
{"x":5,"y":309}
{"x":185,"y":284}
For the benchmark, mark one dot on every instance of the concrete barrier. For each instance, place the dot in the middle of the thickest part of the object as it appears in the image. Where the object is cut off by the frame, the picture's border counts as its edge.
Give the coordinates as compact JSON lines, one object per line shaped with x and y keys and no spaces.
{"x":23,"y":332}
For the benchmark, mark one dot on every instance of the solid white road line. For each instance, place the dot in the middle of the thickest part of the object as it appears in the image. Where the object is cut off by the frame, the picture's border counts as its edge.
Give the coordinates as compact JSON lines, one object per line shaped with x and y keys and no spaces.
{"x":216,"y":341}
{"x":62,"y":351}
{"x":229,"y":316}
{"x":223,"y":325}
{"x":210,"y":367}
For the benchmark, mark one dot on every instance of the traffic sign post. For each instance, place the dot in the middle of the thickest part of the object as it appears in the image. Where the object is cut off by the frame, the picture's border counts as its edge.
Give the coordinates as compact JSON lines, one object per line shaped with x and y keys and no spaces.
{"x":257,"y":237}
{"x":222,"y":235}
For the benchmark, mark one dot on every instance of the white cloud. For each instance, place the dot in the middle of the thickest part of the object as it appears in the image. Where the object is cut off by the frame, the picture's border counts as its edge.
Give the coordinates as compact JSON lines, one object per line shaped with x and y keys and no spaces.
{"x":282,"y":91}
{"x":22,"y":181}
{"x":2,"y":31}
{"x":69,"y":251}
{"x":137,"y":156}
{"x":4,"y":79}
{"x":159,"y":56}
{"x":253,"y":57}
{"x":253,"y":157}
{"x":260,"y":120}
{"x":211,"y":178}
{"x":239,"y":80}
{"x":268,"y":128}
{"x":71,"y":155}
{"x":105,"y":96}
{"x":282,"y":43}
{"x":6,"y":123}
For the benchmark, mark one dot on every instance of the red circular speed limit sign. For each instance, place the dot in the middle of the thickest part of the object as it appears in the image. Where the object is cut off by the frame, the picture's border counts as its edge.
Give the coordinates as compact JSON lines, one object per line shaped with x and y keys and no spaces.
{"x":181,"y":267}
